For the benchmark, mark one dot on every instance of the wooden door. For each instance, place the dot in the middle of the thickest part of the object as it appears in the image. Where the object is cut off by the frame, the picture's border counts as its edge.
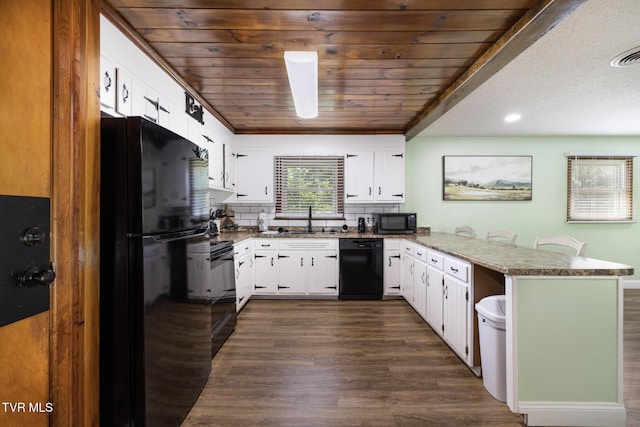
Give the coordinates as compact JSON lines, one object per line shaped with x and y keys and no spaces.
{"x":25,"y":170}
{"x":49,"y":147}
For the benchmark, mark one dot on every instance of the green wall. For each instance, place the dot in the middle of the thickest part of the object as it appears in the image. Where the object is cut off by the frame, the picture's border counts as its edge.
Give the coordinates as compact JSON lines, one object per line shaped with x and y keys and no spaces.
{"x":545,"y":215}
{"x":567,"y":339}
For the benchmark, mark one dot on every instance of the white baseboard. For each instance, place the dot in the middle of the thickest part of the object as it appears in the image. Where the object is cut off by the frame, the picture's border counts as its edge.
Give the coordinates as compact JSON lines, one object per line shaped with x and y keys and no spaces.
{"x":632,"y":284}
{"x":590,"y":414}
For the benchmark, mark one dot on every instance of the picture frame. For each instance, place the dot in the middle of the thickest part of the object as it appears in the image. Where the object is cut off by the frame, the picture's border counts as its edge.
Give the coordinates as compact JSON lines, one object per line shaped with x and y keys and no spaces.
{"x":487,"y":178}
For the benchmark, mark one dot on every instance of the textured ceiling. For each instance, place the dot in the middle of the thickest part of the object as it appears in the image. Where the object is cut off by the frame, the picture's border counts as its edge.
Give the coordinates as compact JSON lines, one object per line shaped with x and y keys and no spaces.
{"x":562,"y":84}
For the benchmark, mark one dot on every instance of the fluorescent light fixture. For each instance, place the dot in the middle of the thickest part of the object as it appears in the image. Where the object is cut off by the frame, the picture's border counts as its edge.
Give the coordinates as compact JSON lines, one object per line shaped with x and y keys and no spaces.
{"x":302,"y":69}
{"x":512,"y":118}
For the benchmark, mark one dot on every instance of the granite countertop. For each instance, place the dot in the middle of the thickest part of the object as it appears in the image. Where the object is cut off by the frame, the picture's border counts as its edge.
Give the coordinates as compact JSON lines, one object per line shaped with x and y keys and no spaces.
{"x":508,"y":259}
{"x":515,"y":260}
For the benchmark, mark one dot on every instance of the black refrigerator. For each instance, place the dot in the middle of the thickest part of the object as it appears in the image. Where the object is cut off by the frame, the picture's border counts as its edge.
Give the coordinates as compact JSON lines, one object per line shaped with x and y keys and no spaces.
{"x":155,"y":330}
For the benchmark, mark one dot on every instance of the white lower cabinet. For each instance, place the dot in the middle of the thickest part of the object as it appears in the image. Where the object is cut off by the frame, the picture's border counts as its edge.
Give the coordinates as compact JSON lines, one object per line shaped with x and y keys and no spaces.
{"x":406,"y":271}
{"x":243,"y":260}
{"x":439,"y":288}
{"x":420,"y":287}
{"x":293,"y":266}
{"x":323,"y":272}
{"x":455,"y":312}
{"x":435,"y":290}
{"x":266,"y":272}
{"x":392,"y":265}
{"x":296,"y":267}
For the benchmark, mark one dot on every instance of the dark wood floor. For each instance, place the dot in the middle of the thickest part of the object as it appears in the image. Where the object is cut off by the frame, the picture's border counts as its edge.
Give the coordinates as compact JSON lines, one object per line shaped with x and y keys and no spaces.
{"x":339,"y":363}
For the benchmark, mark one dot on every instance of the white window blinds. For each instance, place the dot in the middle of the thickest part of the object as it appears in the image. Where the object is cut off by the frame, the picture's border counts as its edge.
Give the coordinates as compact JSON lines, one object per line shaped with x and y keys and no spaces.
{"x":303,"y":181}
{"x":600,"y":188}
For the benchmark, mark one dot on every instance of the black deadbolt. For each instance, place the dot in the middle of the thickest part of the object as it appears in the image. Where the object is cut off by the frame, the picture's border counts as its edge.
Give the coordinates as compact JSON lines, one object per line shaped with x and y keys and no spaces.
{"x":33,"y":236}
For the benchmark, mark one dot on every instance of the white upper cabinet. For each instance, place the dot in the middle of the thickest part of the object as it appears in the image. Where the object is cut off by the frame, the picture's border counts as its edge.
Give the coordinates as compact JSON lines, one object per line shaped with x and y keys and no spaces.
{"x":229,"y":167}
{"x":108,"y":86}
{"x":374,"y":177}
{"x":125,"y":92}
{"x":254,"y":177}
{"x":358,"y":177}
{"x":389,"y":176}
{"x":202,"y":135}
{"x":216,"y":164}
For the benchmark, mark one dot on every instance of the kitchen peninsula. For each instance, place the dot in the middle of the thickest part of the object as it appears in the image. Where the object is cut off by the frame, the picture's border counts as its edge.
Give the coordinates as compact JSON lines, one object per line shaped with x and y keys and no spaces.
{"x":564,"y":318}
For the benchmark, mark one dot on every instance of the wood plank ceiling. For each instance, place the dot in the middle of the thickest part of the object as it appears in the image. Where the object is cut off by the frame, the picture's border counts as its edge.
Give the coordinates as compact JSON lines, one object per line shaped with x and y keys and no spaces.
{"x":385,"y":66}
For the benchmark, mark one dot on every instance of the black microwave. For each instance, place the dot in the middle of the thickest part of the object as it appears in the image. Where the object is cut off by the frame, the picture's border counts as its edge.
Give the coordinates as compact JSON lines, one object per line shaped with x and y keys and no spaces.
{"x":394,"y":223}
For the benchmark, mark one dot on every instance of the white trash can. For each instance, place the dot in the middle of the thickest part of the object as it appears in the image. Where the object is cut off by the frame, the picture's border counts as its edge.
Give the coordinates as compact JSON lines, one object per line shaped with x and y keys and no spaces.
{"x":491,"y":327}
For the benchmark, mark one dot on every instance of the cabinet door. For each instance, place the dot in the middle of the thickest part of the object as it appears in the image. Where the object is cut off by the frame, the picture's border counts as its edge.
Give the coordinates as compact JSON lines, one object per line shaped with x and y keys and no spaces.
{"x":358,"y":177}
{"x":200,"y":134}
{"x":164,"y":111}
{"x":420,"y":287}
{"x":293,"y":266}
{"x":323,"y":272}
{"x":243,"y":280}
{"x":178,"y":121}
{"x":229,"y":171}
{"x":266,"y":272}
{"x":124,"y":100}
{"x":406,"y":278}
{"x":151,"y":105}
{"x":391,"y":272}
{"x":435,"y":289}
{"x":216,"y":164}
{"x":108,"y":85}
{"x":389,"y":176}
{"x":138,"y":100}
{"x":455,"y":309}
{"x":254,"y":176}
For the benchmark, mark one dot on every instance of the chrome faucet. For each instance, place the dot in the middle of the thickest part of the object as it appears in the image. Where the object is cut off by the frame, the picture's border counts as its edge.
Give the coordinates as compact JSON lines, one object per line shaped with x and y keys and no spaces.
{"x":309,"y":223}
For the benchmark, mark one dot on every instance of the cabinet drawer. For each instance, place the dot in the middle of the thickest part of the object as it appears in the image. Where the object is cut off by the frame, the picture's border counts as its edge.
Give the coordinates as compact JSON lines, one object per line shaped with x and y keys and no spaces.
{"x":265,"y":244}
{"x":392,"y":244}
{"x":435,"y":259}
{"x":242,"y":248}
{"x":420,"y":252}
{"x":407,"y":248}
{"x":457,"y":268}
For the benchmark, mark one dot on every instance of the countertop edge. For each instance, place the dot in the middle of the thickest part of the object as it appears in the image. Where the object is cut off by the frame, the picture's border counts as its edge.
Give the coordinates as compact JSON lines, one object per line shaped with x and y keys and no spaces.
{"x":583,"y":266}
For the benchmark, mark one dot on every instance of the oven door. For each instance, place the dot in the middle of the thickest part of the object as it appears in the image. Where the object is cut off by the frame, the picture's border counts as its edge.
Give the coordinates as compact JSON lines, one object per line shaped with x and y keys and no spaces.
{"x":223,"y":296}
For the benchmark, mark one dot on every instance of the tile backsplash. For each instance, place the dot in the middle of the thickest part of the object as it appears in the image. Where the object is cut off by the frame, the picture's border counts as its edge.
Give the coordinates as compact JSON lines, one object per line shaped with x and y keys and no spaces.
{"x":246,"y":215}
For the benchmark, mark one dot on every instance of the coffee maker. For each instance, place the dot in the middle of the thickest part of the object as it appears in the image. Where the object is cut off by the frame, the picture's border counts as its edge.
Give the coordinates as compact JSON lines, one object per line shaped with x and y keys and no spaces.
{"x":362,"y":228}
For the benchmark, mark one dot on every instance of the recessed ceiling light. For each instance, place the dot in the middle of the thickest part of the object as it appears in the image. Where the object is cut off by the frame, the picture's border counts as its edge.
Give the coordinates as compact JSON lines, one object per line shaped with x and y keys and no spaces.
{"x":512,"y":118}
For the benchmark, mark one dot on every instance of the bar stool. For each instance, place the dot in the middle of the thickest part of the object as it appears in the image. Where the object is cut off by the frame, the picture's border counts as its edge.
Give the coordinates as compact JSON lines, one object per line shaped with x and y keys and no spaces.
{"x":465,"y":230}
{"x":565,"y":241}
{"x":502,"y":234}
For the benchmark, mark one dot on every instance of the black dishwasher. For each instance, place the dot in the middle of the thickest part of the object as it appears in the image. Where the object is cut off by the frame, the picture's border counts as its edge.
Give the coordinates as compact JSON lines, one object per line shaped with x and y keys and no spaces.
{"x":360,"y":269}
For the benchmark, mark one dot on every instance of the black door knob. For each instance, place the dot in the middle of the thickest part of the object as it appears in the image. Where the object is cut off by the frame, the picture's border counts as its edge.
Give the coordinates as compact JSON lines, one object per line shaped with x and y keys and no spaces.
{"x":38,"y":275}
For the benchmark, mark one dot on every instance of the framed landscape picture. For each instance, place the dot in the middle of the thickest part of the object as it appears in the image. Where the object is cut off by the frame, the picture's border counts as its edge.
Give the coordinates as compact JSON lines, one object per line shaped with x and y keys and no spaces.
{"x":499,"y":178}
